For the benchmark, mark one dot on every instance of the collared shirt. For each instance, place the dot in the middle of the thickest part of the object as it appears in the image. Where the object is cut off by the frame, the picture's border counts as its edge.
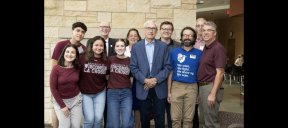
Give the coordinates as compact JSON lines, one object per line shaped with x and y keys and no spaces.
{"x":150,"y":52}
{"x":107,"y":45}
{"x":127,"y":51}
{"x":199,"y":44}
{"x":213,"y":56}
{"x":173,"y":44}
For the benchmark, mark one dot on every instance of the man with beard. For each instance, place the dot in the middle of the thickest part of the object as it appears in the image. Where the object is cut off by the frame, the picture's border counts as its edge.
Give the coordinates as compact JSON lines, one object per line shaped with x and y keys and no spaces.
{"x":182,"y":80}
{"x":210,"y":77}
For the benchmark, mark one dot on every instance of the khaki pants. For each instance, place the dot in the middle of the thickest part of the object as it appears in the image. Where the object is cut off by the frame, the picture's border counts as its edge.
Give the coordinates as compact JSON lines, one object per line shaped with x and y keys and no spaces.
{"x":183,"y":101}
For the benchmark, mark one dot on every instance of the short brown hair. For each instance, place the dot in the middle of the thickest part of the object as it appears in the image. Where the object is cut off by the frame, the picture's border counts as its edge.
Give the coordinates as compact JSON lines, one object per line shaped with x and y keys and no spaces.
{"x":167,"y":23}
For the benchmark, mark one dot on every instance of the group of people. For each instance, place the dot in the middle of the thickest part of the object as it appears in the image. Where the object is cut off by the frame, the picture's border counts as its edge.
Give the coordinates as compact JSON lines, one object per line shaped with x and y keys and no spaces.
{"x":130,"y":81}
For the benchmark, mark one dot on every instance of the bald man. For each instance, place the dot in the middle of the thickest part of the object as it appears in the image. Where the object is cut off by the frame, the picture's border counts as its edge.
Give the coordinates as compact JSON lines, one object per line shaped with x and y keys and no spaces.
{"x":105,"y":29}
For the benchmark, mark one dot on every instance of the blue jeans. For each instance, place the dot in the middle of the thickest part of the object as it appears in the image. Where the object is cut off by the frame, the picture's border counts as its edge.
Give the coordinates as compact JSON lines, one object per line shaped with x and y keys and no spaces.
{"x":119,"y":108}
{"x":93,"y":108}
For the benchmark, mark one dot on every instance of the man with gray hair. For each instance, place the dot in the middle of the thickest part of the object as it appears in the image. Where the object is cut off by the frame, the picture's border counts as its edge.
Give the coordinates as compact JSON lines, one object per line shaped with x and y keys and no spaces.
{"x":199,"y":45}
{"x":210,"y":76}
{"x":150,"y":67}
{"x":199,"y":41}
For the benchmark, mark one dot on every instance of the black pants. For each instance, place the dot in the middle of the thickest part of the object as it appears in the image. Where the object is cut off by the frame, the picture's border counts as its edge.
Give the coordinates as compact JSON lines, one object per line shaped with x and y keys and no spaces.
{"x":156,"y":107}
{"x":168,"y":107}
{"x":196,"y":119}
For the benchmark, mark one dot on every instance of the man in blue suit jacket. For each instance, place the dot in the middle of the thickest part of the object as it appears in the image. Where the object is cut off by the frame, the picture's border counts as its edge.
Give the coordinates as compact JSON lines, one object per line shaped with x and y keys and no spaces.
{"x":150,"y":66}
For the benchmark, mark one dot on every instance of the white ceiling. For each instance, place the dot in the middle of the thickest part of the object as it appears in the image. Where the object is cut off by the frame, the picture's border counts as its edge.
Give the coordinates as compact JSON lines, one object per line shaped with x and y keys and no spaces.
{"x":212,"y":9}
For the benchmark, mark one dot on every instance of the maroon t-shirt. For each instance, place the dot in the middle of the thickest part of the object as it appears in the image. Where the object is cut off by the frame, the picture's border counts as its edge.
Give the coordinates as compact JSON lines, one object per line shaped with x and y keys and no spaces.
{"x":64,"y":83}
{"x":60,"y":46}
{"x":214,"y":56}
{"x":119,"y":73}
{"x":92,"y":75}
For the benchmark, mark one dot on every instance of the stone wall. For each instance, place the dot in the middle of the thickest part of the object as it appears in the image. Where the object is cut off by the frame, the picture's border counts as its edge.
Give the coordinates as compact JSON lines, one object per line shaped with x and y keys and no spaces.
{"x":123,"y":15}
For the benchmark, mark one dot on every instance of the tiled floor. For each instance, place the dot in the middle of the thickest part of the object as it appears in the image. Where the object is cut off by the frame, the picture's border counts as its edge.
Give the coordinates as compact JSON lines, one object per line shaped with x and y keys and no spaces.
{"x":231,"y":100}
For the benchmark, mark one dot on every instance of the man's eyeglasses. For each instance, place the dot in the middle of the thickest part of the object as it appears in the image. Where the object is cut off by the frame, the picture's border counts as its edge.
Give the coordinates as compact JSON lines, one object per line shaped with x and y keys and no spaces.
{"x":207,"y":30}
{"x":106,"y":27}
{"x":151,"y":28}
{"x":199,"y":25}
{"x":187,"y":35}
{"x":166,"y":29}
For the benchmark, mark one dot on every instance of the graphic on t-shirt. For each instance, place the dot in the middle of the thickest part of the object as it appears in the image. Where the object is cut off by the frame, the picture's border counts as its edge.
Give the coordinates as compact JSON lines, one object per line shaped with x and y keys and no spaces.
{"x":95,"y":68}
{"x":120,"y":69}
{"x":181,"y":58}
{"x":183,"y":70}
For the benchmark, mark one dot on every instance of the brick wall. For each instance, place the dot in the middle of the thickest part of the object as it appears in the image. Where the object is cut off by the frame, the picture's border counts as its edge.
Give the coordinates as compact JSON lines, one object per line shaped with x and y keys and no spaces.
{"x":123,"y":15}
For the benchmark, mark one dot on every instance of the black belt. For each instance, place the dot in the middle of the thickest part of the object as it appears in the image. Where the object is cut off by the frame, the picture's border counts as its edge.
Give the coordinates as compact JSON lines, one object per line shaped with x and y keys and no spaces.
{"x":206,"y":83}
{"x":203,"y":83}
